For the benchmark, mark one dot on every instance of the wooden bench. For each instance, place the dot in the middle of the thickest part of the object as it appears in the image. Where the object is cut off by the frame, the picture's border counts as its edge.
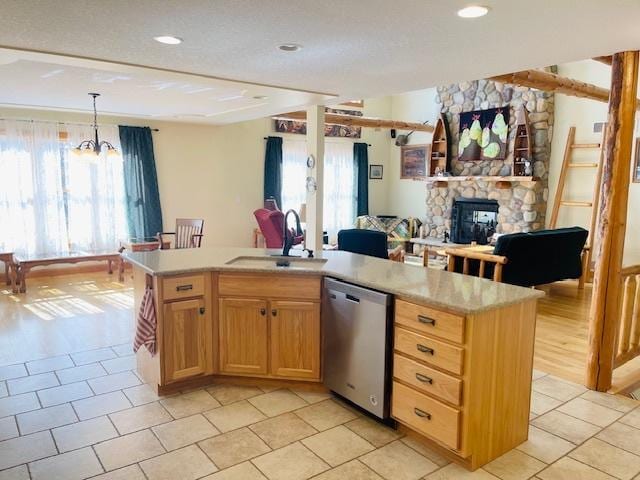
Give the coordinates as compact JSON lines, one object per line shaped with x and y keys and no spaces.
{"x":26,"y":263}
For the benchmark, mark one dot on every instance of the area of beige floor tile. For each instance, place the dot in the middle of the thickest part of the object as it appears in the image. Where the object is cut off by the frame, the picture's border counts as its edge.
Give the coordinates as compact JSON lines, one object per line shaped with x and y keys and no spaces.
{"x":565,"y":426}
{"x":111,"y":383}
{"x":609,"y":459}
{"x":16,"y":473}
{"x":235,"y":415}
{"x":128,"y":449}
{"x":132,"y":472}
{"x":514,"y":465}
{"x":569,"y":469}
{"x":49,"y":364}
{"x":26,"y":449}
{"x":32,"y":383}
{"x":75,"y":465}
{"x":242,"y":471}
{"x":234,"y":447}
{"x":85,"y":433}
{"x":186,"y":463}
{"x":557,"y":388}
{"x":632,"y":418}
{"x":325,"y":415}
{"x":64,"y":394}
{"x":92,"y":356}
{"x":616,"y":402}
{"x":425,"y":451}
{"x":3,"y":389}
{"x":622,"y":436}
{"x":123,"y":350}
{"x":541,"y":403}
{"x":282,"y":430}
{"x":310,"y":396}
{"x":46,"y":418}
{"x":120,"y":364}
{"x":18,"y":404}
{"x":77,"y":374}
{"x":8,"y":428}
{"x":545,"y":446}
{"x":337,"y":445}
{"x":353,"y":470}
{"x":100,"y":405}
{"x":226,"y":393}
{"x":8,"y":372}
{"x":372,"y":431}
{"x":139,"y":418}
{"x":397,"y":461}
{"x":454,"y":471}
{"x":190,"y":403}
{"x":141,"y":394}
{"x":277,"y":402}
{"x":185,"y":431}
{"x":590,"y":412}
{"x":293,"y":462}
{"x":537,"y":374}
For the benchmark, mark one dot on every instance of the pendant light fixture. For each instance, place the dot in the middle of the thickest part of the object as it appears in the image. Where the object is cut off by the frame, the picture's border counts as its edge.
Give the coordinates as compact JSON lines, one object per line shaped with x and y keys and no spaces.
{"x":93,"y":147}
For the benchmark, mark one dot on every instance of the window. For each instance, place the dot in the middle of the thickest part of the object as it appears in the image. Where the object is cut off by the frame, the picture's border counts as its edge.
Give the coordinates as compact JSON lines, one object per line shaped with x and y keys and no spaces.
{"x":339,"y":208}
{"x":52,"y":201}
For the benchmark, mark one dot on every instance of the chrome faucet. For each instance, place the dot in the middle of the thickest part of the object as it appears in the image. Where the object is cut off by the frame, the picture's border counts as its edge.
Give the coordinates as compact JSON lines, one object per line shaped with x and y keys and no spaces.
{"x":287,"y":237}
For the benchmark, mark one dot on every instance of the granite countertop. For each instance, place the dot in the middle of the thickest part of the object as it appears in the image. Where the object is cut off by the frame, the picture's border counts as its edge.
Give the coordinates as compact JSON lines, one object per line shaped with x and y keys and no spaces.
{"x":452,"y":291}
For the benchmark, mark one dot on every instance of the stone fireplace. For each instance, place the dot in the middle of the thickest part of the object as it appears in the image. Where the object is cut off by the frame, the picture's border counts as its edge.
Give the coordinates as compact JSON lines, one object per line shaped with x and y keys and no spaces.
{"x":521,"y":204}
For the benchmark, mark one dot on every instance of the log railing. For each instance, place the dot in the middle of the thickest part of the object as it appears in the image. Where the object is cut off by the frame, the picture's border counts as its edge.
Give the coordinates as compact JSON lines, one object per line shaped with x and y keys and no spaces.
{"x":628,"y":338}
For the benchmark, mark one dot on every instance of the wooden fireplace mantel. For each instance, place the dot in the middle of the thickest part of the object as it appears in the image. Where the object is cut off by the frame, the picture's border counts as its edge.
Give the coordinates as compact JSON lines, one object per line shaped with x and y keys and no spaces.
{"x":482,"y":178}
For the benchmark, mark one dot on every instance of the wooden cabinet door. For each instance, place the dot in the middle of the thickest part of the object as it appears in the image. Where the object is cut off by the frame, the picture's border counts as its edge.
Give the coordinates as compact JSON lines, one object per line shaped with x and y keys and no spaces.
{"x":295,"y":339}
{"x":186,"y":348}
{"x":243,"y":336}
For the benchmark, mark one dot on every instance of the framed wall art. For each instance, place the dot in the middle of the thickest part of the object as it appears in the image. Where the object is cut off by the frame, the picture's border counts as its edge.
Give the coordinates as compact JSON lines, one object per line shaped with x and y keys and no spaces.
{"x":413,"y":161}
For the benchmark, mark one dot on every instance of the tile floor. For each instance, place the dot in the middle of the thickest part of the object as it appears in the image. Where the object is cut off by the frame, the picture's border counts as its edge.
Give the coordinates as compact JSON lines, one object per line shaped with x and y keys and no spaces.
{"x":87,"y":415}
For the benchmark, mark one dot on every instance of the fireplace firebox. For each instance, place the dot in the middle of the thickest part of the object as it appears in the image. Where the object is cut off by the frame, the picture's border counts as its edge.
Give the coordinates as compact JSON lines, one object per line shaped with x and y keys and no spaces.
{"x":473,"y":220}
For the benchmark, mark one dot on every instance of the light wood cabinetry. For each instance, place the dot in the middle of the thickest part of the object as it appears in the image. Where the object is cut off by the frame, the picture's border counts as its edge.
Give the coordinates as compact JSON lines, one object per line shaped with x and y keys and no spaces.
{"x":463,"y":383}
{"x":269,"y":326}
{"x":243,"y":336}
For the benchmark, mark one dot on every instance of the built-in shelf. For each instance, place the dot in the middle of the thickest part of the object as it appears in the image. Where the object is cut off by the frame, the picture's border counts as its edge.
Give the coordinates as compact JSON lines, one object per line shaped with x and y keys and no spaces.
{"x":482,"y":178}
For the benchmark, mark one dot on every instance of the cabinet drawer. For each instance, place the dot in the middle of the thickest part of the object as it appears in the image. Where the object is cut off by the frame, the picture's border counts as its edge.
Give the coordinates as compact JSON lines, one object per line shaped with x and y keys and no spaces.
{"x":429,"y":350}
{"x":427,"y":380}
{"x":426,"y":415}
{"x":430,"y":321}
{"x":271,"y":286}
{"x":183,"y":286}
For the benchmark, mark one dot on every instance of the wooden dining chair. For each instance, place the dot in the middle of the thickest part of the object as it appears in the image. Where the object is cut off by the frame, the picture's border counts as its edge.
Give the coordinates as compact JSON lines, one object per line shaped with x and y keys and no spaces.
{"x":188,"y":234}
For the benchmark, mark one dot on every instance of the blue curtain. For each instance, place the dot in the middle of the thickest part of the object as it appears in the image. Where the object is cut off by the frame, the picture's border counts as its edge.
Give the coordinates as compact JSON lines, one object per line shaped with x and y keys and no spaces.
{"x":144,"y":214}
{"x":361,"y":159}
{"x":273,"y":170}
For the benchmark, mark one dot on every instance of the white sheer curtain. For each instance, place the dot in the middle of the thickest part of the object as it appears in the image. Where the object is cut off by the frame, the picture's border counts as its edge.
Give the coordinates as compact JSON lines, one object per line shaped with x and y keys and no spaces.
{"x":32,"y":214}
{"x":339,"y":182}
{"x":95,"y":192}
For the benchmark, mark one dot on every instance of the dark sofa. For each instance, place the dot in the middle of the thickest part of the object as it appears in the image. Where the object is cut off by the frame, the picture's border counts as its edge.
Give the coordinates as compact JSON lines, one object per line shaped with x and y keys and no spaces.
{"x":535,"y":258}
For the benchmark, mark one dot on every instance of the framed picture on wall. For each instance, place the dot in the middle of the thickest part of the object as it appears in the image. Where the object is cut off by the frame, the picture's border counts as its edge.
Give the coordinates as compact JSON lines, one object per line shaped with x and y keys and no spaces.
{"x":375,"y":172}
{"x":413,"y":161}
{"x":635,"y":175}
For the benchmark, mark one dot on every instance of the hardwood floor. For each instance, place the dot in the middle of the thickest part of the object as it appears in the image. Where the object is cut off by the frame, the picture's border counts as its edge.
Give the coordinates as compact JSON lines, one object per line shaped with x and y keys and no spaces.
{"x":64,"y":314}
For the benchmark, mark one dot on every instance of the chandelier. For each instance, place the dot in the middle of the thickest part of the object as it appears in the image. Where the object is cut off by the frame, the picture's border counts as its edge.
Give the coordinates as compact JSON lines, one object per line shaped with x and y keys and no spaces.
{"x":93,"y":147}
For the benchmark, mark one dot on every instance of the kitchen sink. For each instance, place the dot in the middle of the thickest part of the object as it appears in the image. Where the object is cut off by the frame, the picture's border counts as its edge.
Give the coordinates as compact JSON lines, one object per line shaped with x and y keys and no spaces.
{"x":286,"y":263}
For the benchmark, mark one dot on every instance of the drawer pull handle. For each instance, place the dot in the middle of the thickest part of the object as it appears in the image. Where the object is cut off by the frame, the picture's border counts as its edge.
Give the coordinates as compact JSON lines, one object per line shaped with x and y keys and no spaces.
{"x":422,"y":413}
{"x":202,"y":310}
{"x":424,"y":378}
{"x":274,"y":312}
{"x":263,"y":311}
{"x":184,"y":288}
{"x":425,"y":349}
{"x":427,"y":320}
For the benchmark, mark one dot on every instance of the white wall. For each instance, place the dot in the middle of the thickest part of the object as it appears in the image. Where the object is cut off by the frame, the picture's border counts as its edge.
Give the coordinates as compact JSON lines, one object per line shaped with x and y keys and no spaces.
{"x":582,"y":113}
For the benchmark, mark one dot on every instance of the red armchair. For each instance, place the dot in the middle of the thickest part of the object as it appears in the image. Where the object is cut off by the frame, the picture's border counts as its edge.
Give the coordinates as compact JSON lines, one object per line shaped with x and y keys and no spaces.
{"x":271,"y":225}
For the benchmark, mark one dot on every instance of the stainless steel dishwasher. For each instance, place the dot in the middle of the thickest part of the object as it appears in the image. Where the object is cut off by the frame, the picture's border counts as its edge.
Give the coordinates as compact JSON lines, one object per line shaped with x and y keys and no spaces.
{"x":357,"y":345}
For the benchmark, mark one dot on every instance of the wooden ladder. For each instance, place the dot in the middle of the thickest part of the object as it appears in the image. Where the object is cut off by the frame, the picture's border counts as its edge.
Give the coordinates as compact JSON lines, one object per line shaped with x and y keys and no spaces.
{"x":559,"y":201}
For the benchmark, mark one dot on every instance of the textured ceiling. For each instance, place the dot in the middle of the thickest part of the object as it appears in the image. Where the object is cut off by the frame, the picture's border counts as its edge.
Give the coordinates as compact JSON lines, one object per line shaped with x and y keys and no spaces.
{"x":353,"y":48}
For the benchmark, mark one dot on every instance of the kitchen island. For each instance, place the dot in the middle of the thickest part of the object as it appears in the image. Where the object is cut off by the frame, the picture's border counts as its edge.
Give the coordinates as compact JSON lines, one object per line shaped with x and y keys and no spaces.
{"x":463,"y":346}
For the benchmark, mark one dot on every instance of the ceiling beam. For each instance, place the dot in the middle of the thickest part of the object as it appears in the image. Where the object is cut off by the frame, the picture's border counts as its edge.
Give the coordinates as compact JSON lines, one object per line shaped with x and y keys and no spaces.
{"x":555,"y":83}
{"x":607,"y":59}
{"x":354,"y":121}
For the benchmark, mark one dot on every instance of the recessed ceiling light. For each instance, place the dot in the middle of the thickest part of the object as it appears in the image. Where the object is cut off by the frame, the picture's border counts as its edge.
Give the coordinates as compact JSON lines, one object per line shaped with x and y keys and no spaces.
{"x":473,"y":11}
{"x":290,"y":47}
{"x":260,"y":97}
{"x":168,"y":39}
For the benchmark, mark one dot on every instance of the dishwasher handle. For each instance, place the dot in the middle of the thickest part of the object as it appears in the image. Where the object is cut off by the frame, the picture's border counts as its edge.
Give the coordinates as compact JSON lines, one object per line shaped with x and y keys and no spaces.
{"x":351,"y":298}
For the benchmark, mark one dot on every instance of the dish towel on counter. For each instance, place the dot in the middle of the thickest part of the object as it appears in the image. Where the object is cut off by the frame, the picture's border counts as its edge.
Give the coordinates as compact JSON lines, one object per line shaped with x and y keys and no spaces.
{"x":147,"y":323}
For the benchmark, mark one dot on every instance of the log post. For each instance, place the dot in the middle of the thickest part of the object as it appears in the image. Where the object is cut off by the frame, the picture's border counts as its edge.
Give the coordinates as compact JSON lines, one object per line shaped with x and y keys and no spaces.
{"x":605,"y":301}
